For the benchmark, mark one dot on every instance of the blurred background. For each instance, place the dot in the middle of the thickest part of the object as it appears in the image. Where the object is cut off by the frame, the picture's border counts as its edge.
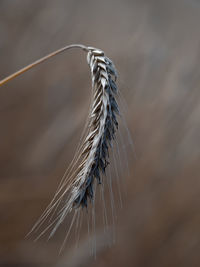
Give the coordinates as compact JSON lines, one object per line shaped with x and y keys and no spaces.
{"x":155,"y":45}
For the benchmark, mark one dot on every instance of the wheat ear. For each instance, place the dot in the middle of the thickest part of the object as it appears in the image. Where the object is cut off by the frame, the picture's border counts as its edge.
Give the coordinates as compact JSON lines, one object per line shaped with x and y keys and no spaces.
{"x":103,"y":125}
{"x":92,"y":158}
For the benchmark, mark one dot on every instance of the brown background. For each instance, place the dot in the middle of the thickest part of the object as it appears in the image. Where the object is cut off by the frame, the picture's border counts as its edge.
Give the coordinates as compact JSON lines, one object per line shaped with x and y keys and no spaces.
{"x":155,"y":45}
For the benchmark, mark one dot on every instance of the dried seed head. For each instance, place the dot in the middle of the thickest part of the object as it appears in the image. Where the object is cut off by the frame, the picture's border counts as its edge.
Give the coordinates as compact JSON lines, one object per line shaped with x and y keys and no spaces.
{"x":103,"y":125}
{"x":91,"y":160}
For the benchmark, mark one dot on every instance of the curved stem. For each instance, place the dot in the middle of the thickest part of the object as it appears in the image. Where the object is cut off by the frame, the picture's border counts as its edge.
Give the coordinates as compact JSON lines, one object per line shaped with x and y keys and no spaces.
{"x":41,"y":60}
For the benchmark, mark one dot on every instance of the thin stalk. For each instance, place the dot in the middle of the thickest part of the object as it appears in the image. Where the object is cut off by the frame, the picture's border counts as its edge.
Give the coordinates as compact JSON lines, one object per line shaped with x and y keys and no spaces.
{"x":41,"y":60}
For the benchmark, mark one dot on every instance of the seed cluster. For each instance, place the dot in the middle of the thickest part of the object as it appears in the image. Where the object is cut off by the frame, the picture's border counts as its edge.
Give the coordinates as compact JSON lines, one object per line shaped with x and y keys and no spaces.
{"x":103,"y":126}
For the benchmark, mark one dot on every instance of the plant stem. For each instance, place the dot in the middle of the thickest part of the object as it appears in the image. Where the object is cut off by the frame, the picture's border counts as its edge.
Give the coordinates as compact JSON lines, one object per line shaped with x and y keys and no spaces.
{"x":41,"y":60}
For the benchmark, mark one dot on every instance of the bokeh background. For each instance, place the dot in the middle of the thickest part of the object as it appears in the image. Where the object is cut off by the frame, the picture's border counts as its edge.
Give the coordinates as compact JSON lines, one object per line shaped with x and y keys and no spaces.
{"x":155,"y":45}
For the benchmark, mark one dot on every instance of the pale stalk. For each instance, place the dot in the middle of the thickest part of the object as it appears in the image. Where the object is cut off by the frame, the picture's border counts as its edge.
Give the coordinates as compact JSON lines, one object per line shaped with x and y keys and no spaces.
{"x":41,"y":60}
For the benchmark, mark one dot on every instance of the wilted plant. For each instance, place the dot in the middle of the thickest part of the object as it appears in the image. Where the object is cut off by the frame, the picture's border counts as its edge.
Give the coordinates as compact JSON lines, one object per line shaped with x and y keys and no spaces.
{"x":77,"y":187}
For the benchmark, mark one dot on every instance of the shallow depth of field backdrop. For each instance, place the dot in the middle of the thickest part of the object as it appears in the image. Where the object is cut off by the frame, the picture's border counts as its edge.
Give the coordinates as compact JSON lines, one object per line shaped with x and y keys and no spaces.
{"x":155,"y":46}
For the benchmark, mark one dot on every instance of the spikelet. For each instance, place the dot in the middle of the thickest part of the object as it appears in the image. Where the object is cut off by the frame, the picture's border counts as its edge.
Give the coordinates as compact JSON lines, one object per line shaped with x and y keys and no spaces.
{"x":76,"y":189}
{"x":103,"y":125}
{"x":77,"y":186}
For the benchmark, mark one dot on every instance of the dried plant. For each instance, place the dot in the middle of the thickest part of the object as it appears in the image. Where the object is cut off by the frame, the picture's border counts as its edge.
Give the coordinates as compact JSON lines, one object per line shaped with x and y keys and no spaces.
{"x":102,"y":126}
{"x":77,"y":187}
